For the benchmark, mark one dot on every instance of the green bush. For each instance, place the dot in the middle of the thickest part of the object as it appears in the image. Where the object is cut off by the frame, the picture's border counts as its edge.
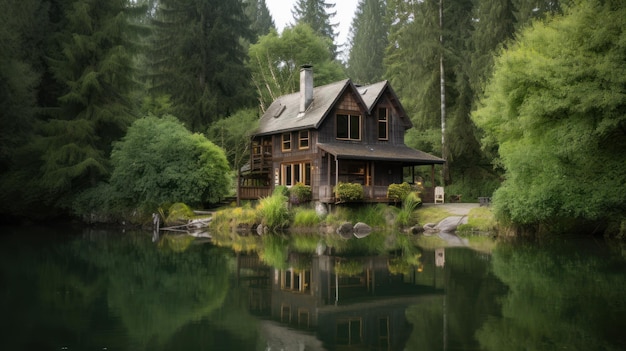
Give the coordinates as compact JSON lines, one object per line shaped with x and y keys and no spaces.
{"x":300,"y":193}
{"x":281,"y":190}
{"x":349,"y":192}
{"x":397,"y":192}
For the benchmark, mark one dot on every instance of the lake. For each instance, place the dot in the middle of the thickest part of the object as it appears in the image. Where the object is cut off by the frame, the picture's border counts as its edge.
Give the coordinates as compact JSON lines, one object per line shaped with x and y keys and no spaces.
{"x":73,"y":288}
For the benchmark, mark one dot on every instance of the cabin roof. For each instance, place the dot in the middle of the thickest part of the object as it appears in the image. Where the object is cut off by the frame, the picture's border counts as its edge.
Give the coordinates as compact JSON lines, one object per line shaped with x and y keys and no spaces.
{"x":385,"y":152}
{"x":284,"y":115}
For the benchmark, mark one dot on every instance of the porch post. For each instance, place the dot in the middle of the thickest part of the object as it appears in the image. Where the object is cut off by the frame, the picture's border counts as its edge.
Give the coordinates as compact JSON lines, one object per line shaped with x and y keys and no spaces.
{"x":432,"y":174}
{"x":373,"y":180}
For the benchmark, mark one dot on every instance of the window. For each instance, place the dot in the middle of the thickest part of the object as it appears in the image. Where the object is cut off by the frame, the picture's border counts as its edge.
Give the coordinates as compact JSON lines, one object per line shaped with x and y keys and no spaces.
{"x":286,"y":145}
{"x":348,"y":127}
{"x":383,"y":124}
{"x":293,"y":173}
{"x":303,"y":139}
{"x":349,"y":331}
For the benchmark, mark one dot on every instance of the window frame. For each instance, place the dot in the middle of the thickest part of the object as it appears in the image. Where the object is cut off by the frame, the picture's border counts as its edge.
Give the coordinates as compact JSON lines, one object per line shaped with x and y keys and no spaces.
{"x":285,"y":139}
{"x":349,"y":120}
{"x":382,"y":122}
{"x":295,"y":172}
{"x":301,"y":139}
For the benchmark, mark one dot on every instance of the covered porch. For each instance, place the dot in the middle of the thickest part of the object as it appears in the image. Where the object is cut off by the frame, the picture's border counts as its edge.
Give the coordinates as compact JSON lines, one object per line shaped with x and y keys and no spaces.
{"x":374,"y":166}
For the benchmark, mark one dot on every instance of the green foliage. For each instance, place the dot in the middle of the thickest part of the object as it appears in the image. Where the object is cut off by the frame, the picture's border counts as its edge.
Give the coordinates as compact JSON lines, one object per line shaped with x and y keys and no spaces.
{"x":197,"y":58}
{"x":274,"y":252}
{"x":349,"y":192}
{"x":300,"y":193}
{"x":273,"y":211}
{"x":275,"y":65}
{"x":159,"y":161}
{"x":406,"y":216}
{"x":281,"y":190}
{"x":348,"y":268}
{"x":232,"y":134}
{"x":554,"y":109}
{"x":317,"y":15}
{"x":304,"y":217}
{"x":368,"y":34}
{"x":479,"y":219}
{"x":178,"y":213}
{"x":397,"y":192}
{"x":553,"y":303}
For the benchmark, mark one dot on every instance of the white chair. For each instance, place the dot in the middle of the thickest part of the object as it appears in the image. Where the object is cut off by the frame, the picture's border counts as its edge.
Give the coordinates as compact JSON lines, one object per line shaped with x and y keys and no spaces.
{"x":439,"y":194}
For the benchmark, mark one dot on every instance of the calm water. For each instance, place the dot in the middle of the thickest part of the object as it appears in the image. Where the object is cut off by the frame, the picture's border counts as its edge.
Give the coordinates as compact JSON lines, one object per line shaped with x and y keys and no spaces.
{"x":76,"y":289}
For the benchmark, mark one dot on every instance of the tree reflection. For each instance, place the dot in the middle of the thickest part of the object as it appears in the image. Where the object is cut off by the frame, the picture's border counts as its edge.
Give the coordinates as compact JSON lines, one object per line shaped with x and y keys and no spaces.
{"x":559,"y":298}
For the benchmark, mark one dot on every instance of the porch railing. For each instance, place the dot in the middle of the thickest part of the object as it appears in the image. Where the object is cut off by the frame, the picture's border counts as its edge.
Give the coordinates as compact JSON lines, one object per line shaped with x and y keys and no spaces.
{"x":254,"y":192}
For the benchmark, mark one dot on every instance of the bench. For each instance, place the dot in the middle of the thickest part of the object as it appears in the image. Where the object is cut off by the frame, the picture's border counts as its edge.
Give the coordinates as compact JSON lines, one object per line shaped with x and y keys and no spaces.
{"x":484,"y":201}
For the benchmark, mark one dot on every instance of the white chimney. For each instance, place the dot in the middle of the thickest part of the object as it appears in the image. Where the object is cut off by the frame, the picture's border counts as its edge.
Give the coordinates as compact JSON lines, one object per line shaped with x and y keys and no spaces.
{"x":306,"y":86}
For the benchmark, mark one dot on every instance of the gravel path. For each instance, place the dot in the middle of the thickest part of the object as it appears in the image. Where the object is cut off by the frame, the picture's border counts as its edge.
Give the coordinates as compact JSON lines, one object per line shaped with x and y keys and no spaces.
{"x":461,"y":209}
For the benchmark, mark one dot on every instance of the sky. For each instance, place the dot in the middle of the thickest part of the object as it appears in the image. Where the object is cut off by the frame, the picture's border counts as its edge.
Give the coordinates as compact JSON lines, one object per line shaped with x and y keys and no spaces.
{"x":281,"y":12}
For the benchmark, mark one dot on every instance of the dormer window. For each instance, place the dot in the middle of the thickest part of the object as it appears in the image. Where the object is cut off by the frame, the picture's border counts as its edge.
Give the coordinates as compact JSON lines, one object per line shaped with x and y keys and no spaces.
{"x":286,"y":142}
{"x":348,"y":127}
{"x":383,"y":123}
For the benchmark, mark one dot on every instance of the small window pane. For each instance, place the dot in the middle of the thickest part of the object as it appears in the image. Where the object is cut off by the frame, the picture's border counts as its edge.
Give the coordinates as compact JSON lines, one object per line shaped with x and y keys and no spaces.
{"x":342,"y":126}
{"x":355,"y":127}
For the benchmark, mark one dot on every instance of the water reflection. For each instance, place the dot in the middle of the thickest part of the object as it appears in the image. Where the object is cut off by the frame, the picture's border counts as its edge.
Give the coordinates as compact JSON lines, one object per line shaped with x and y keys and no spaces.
{"x":135,"y":291}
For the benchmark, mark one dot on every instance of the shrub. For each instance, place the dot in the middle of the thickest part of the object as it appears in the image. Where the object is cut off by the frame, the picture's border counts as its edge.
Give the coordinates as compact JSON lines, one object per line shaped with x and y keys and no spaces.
{"x":299,"y":194}
{"x":281,"y":190}
{"x":397,"y":192}
{"x":406,"y":215}
{"x":349,"y":192}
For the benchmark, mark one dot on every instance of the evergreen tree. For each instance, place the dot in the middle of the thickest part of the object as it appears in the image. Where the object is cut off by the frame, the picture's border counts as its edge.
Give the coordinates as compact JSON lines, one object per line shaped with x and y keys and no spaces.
{"x":368,"y":42}
{"x":315,"y":14}
{"x":95,"y":70}
{"x":260,"y":17}
{"x":198,"y":59}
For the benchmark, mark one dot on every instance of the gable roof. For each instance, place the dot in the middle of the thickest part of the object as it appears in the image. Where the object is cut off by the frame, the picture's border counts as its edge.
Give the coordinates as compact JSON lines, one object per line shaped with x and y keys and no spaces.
{"x":371,"y":95}
{"x":284,"y":113}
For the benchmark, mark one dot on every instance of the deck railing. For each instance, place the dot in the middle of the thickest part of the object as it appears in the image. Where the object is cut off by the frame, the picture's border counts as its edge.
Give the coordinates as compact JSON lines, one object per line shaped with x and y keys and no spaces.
{"x":254,"y":192}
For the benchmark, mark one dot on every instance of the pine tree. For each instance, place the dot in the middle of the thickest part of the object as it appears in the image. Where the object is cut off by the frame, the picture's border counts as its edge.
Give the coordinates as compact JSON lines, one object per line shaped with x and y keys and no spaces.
{"x":315,"y":14}
{"x":260,"y":17}
{"x":198,"y":59}
{"x":94,"y":67}
{"x":368,"y":42}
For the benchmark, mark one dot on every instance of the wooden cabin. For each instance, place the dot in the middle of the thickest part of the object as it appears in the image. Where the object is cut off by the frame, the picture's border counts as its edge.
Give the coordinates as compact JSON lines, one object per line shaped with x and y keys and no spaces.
{"x":329,"y":134}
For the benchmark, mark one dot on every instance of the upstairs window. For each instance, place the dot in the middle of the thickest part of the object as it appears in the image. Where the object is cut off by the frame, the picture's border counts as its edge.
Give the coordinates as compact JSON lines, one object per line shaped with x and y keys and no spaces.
{"x":348,"y":127}
{"x":383,"y":123}
{"x":286,"y":142}
{"x":303,"y":139}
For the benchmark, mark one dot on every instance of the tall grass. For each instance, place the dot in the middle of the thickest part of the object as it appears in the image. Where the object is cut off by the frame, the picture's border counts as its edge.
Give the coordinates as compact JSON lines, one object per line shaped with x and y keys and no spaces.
{"x":406,"y":215}
{"x":305,"y":217}
{"x":273,"y":211}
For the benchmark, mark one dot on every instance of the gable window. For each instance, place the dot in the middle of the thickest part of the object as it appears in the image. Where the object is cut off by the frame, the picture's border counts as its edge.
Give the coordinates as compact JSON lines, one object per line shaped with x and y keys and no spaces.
{"x":286,"y":142}
{"x":303,"y":139}
{"x":383,"y":123}
{"x":348,"y":127}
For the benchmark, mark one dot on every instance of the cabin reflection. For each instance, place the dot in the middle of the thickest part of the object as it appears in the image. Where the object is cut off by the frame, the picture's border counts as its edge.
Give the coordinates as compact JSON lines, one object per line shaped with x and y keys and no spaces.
{"x":345,"y":301}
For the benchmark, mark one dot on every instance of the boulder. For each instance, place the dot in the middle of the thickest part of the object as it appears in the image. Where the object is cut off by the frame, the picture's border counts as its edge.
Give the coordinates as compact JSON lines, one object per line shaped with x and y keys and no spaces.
{"x":320,"y":209}
{"x":345,"y":230}
{"x":361,"y":230}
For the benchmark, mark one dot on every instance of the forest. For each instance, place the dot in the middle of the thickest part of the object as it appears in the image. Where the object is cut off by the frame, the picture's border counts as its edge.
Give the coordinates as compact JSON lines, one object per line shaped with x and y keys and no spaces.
{"x":117,"y":107}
